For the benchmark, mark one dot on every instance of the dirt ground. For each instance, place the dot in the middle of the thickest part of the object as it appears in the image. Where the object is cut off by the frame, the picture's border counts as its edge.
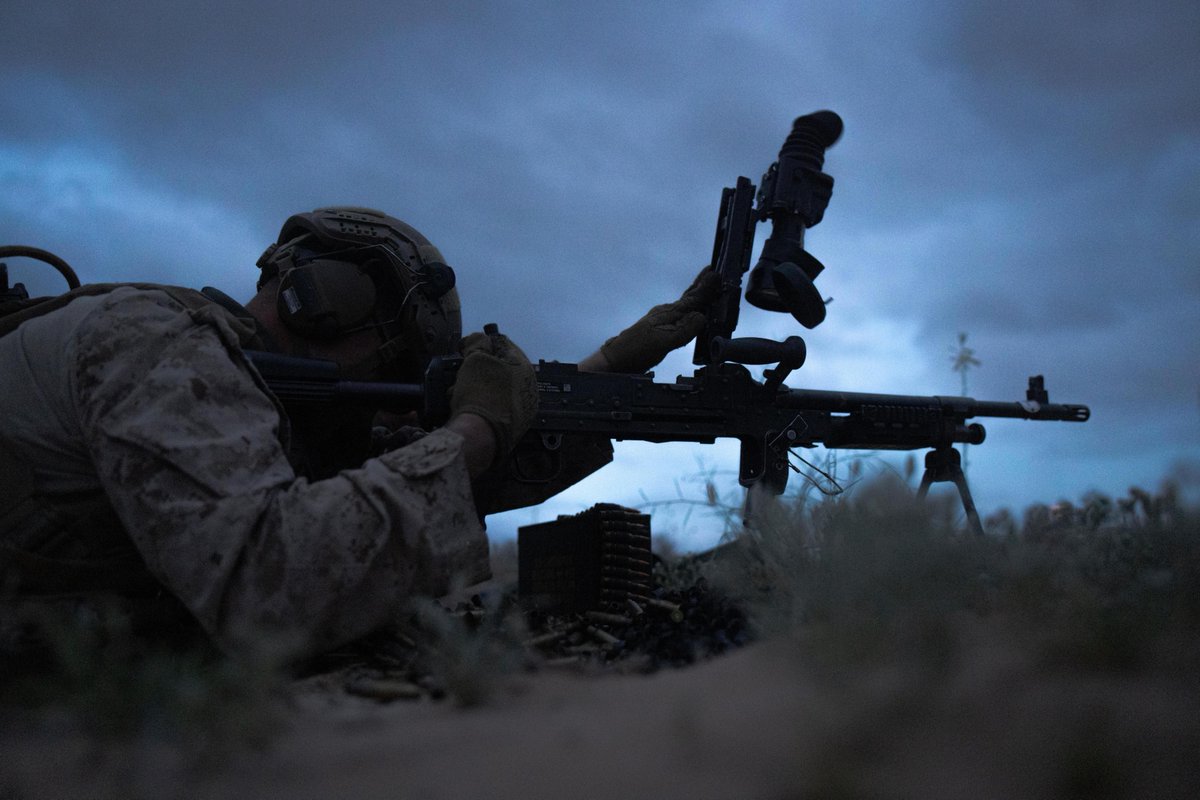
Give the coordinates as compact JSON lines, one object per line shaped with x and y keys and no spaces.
{"x":759,"y":723}
{"x":905,"y":661}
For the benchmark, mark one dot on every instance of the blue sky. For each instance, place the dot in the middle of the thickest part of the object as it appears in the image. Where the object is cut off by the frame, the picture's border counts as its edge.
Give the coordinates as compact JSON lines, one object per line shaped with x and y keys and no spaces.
{"x":1026,"y":172}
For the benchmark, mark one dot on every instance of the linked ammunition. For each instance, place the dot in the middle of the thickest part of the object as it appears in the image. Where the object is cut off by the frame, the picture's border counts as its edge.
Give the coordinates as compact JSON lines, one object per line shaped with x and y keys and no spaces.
{"x":589,"y":561}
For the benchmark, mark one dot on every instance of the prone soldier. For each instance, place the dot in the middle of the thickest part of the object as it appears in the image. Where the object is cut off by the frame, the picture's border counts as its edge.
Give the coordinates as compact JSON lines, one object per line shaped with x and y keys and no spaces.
{"x":142,"y":454}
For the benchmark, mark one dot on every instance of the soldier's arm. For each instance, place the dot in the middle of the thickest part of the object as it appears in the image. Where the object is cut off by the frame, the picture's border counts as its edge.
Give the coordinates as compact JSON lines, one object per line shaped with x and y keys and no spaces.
{"x":187,"y":446}
{"x":479,"y":442}
{"x":645,"y":343}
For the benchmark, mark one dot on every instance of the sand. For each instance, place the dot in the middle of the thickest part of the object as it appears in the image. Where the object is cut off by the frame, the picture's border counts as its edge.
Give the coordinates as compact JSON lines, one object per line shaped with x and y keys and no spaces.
{"x":763,"y":722}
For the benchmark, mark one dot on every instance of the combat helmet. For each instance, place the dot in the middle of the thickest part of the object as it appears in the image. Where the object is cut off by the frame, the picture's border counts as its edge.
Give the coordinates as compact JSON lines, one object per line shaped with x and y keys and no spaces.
{"x":344,"y":269}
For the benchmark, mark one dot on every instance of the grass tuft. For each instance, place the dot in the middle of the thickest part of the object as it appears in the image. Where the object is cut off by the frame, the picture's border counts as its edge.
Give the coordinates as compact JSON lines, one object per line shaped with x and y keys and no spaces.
{"x":471,"y":653}
{"x":882,"y":575}
{"x":93,"y":664}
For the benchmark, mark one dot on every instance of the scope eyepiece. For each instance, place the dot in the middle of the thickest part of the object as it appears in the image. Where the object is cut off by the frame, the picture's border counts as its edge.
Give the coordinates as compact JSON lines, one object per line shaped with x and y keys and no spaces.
{"x":793,"y":195}
{"x":810,"y":135}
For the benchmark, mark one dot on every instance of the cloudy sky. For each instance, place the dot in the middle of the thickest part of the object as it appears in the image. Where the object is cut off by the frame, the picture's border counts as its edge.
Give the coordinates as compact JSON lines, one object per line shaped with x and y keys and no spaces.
{"x":1025,"y":172}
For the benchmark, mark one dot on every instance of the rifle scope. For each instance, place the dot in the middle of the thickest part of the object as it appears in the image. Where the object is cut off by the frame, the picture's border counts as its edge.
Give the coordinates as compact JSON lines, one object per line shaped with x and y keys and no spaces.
{"x":793,"y":194}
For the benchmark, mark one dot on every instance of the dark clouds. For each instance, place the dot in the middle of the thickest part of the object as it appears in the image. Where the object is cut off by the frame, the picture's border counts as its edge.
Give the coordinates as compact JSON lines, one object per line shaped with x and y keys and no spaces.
{"x":1108,"y":74}
{"x":1026,"y":173}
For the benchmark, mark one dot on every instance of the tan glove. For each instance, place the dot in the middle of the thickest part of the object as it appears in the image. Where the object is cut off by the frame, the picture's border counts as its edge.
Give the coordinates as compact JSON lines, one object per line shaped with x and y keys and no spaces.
{"x":497,"y":382}
{"x":665,"y":328}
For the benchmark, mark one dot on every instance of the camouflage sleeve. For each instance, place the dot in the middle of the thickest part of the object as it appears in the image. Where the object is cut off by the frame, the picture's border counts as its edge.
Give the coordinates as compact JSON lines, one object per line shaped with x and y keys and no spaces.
{"x":186,"y":444}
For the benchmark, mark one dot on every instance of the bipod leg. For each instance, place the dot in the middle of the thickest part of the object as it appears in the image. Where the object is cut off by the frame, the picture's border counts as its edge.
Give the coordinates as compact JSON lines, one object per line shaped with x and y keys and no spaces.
{"x":944,"y":465}
{"x":926,"y":480}
{"x":968,"y":503}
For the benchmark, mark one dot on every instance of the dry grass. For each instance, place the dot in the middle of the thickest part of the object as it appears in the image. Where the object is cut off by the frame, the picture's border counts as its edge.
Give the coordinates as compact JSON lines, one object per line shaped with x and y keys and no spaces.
{"x":1055,"y":641}
{"x":89,"y":671}
{"x":1055,"y":656}
{"x":880,"y":575}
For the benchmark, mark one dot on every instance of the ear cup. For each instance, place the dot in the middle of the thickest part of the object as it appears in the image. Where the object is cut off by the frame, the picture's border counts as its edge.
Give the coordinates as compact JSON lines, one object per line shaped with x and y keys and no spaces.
{"x":437,"y":279}
{"x":324,"y":298}
{"x":415,"y":304}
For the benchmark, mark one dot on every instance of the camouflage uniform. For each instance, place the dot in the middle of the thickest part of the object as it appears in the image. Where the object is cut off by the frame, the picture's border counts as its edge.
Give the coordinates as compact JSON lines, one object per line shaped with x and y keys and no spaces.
{"x":138,"y":450}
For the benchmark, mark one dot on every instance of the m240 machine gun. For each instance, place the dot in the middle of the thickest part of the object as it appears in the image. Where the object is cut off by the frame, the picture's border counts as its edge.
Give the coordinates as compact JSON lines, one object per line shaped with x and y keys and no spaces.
{"x":721,"y":398}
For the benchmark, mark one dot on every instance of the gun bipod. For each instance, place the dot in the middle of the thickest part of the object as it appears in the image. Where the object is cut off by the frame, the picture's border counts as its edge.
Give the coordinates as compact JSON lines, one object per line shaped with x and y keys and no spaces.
{"x":944,"y":465}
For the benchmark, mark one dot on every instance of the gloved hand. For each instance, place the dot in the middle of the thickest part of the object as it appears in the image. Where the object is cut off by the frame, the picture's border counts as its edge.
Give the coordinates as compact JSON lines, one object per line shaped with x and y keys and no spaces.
{"x":665,"y":328}
{"x":497,"y":382}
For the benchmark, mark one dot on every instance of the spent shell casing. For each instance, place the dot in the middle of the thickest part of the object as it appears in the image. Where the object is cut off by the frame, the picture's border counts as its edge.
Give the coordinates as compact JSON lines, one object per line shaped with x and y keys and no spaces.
{"x":562,"y":662}
{"x":672,"y":609}
{"x":383,"y":689}
{"x":608,"y":619}
{"x":546,"y":638}
{"x":602,"y":636}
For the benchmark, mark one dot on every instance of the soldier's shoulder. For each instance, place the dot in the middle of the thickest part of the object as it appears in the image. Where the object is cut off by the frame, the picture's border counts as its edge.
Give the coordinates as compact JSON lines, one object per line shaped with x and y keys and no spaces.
{"x":130,"y":330}
{"x":135,"y":298}
{"x":135,"y":306}
{"x":91,"y":301}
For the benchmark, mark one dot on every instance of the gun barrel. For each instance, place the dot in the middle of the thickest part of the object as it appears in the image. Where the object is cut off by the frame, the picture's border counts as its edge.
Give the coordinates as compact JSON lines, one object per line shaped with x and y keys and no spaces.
{"x":906,"y":406}
{"x":1028,"y":409}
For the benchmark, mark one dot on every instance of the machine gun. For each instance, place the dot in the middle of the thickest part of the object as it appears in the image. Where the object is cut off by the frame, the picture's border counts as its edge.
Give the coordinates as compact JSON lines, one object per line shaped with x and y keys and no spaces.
{"x":721,"y":398}
{"x":717,"y":401}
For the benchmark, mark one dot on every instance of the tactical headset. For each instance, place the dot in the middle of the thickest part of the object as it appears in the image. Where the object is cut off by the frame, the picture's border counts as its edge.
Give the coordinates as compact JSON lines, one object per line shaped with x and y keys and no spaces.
{"x":346,"y":269}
